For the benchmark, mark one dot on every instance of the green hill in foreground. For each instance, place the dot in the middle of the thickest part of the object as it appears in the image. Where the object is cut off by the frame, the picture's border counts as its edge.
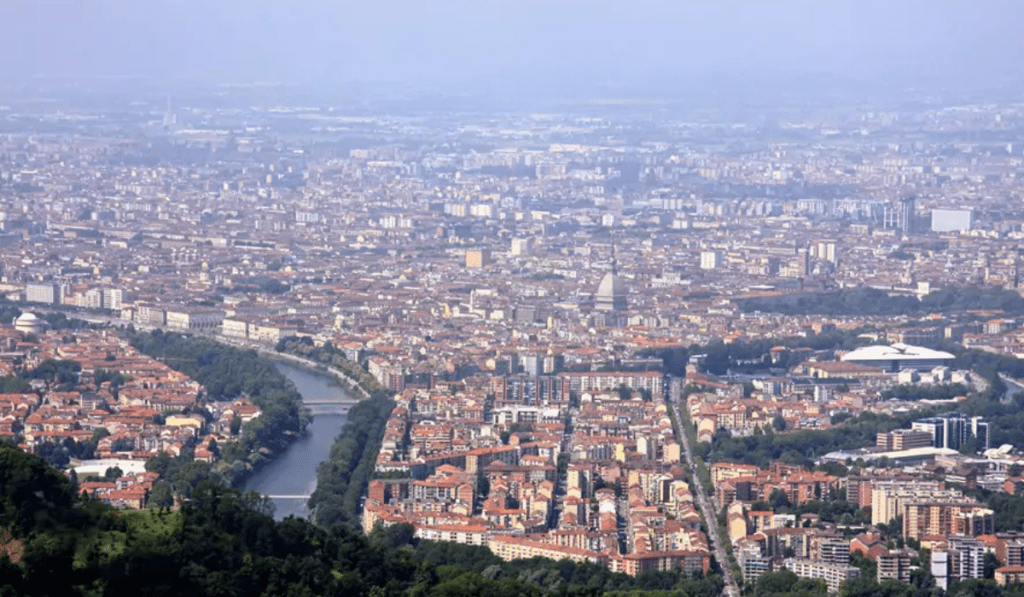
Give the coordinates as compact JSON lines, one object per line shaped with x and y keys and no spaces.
{"x":224,"y":542}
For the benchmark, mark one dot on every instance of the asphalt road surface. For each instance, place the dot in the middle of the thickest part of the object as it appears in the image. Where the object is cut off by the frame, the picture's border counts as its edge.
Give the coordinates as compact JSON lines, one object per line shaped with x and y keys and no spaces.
{"x":704,"y":502}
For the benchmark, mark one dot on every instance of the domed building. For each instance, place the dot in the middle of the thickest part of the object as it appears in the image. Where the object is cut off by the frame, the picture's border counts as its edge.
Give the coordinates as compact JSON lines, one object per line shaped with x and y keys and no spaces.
{"x":28,"y":323}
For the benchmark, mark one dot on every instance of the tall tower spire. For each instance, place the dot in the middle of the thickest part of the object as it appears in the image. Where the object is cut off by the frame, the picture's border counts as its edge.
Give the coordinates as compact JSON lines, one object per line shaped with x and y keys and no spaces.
{"x":170,"y":119}
{"x":611,"y":293}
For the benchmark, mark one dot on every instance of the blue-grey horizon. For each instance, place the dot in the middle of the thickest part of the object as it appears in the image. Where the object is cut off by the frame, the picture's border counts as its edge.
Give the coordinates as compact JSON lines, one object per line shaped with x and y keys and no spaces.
{"x":401,"y":40}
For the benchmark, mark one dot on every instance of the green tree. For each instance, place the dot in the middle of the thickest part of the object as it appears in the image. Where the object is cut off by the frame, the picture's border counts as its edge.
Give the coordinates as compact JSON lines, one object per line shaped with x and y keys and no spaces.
{"x":32,"y":494}
{"x":160,"y":496}
{"x":990,"y":565}
{"x":778,"y":500}
{"x":775,"y":583}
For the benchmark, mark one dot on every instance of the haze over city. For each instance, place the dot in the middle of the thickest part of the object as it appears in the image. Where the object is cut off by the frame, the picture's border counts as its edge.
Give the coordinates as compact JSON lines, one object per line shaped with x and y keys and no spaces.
{"x":511,"y":298}
{"x":319,"y":41}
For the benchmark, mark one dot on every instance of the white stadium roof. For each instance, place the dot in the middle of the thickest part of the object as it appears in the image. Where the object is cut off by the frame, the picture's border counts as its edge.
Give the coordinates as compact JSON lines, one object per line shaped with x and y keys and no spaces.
{"x":896,"y":352}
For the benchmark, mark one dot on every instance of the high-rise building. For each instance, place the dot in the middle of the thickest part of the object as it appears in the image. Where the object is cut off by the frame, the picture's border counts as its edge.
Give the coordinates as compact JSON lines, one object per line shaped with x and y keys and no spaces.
{"x":943,"y":515}
{"x":522,"y":246}
{"x":44,"y":293}
{"x":92,"y":299}
{"x":831,"y":550}
{"x":901,"y":215}
{"x":834,"y":575}
{"x":903,"y":439}
{"x":710,"y":260}
{"x":894,"y":564}
{"x":113,"y":298}
{"x":952,"y":430}
{"x":952,"y":220}
{"x":907,"y":214}
{"x":533,"y":364}
{"x":752,"y":561}
{"x":960,"y":559}
{"x":826,"y":250}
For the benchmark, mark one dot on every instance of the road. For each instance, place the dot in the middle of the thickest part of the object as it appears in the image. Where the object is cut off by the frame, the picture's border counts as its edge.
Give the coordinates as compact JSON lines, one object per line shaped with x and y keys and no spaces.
{"x":562,"y":480}
{"x":704,"y":502}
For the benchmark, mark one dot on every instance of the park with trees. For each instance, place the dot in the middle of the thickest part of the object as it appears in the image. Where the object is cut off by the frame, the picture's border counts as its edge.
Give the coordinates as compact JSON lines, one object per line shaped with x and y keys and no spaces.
{"x":873,"y":301}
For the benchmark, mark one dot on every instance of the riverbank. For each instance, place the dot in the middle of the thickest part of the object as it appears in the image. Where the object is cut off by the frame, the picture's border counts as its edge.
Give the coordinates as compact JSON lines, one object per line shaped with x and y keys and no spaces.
{"x":227,"y":373}
{"x":291,"y":479}
{"x":351,"y":384}
{"x":342,"y":477}
{"x":348,"y":383}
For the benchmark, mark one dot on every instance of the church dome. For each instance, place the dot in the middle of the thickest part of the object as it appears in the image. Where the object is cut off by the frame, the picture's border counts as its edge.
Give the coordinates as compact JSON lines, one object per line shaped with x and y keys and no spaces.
{"x":28,"y":323}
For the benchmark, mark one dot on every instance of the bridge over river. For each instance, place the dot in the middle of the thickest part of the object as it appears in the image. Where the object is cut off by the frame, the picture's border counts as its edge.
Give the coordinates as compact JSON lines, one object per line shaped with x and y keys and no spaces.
{"x":328,"y":407}
{"x":291,"y":478}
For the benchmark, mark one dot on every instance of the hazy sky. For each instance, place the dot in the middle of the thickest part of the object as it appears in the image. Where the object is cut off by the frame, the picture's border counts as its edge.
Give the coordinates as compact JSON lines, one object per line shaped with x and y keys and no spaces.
{"x":303,"y":40}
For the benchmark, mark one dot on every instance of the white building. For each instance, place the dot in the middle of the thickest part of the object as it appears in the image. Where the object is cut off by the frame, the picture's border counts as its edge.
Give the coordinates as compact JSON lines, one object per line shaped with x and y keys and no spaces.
{"x":952,"y":220}
{"x":113,"y":298}
{"x":710,"y":260}
{"x":960,"y":559}
{"x":44,"y":293}
{"x":522,"y":246}
{"x":194,"y":319}
{"x":834,"y":575}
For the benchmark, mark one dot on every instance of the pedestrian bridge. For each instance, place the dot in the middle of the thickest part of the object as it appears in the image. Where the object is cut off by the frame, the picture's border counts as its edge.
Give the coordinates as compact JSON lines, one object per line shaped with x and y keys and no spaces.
{"x":289,"y":497}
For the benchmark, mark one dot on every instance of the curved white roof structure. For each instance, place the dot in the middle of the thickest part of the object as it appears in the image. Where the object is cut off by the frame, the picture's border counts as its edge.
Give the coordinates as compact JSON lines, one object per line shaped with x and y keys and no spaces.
{"x":898,"y":356}
{"x":895,"y":352}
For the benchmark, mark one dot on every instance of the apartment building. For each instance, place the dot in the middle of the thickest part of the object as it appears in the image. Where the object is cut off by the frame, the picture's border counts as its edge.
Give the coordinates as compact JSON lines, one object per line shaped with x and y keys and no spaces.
{"x":834,"y":575}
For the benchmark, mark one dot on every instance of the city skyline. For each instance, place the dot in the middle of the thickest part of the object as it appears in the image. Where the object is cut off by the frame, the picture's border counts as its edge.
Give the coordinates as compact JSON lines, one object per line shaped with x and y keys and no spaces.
{"x":691,"y":295}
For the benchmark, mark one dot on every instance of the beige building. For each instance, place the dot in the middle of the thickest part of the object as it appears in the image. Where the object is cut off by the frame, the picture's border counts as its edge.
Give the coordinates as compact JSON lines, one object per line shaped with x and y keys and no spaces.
{"x":903,"y":439}
{"x":270,"y":333}
{"x":515,"y":548}
{"x":885,"y":494}
{"x":188,"y":318}
{"x":1009,"y":575}
{"x":477,"y":258}
{"x":235,"y":328}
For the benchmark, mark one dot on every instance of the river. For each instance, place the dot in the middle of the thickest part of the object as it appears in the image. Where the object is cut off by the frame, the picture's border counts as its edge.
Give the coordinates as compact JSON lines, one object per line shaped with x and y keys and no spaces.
{"x":1013,"y":387}
{"x":292,"y":477}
